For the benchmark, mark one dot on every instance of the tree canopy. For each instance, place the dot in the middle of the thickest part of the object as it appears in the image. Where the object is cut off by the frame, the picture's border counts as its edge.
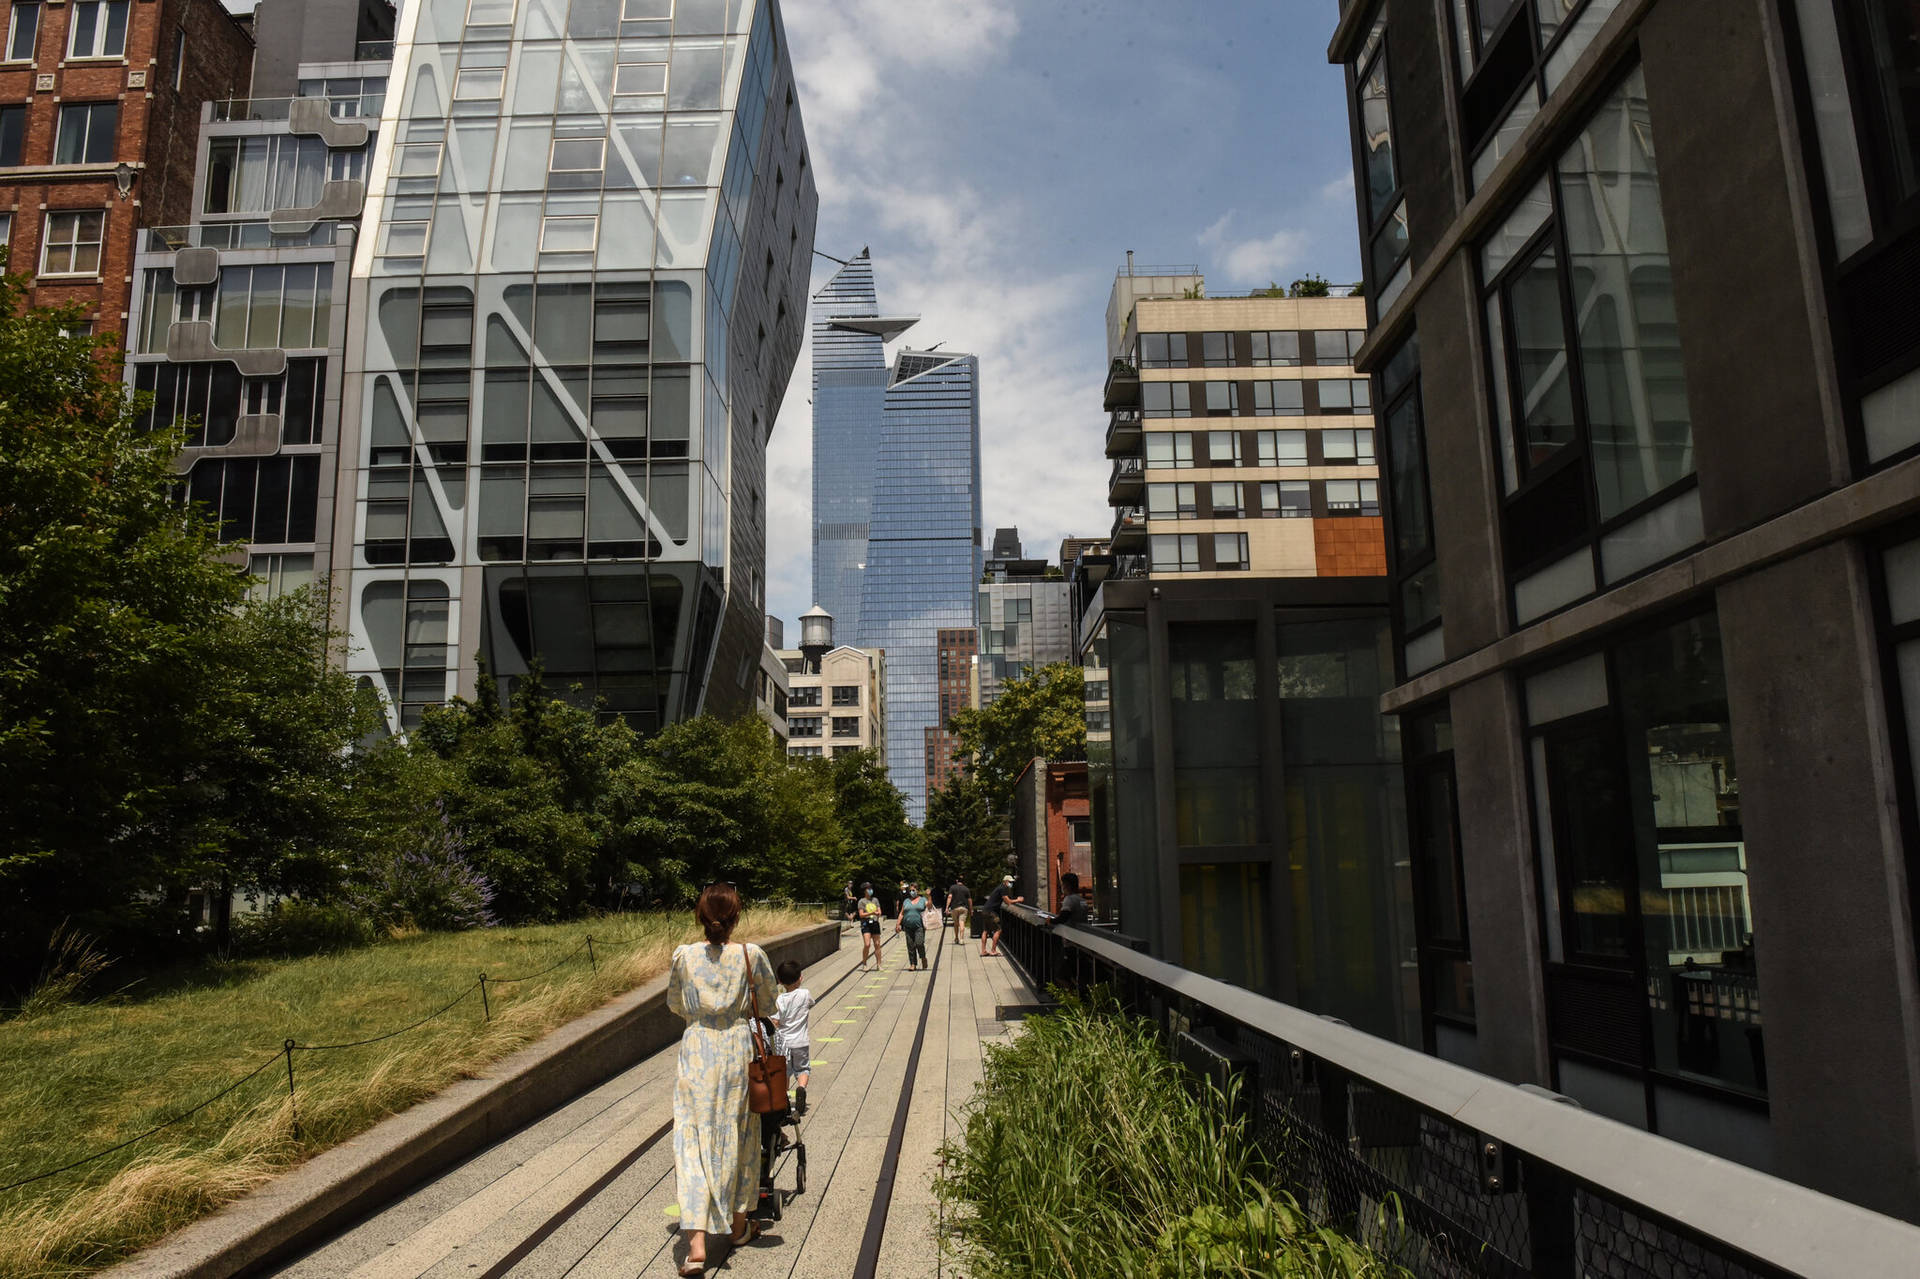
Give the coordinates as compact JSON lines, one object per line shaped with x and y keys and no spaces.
{"x":1042,"y":714}
{"x":963,"y":835}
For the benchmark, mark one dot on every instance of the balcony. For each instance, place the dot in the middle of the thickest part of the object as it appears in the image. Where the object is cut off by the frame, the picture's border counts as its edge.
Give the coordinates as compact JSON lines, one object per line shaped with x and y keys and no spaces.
{"x":1127,"y":481}
{"x":1129,"y":529}
{"x":373,"y":51}
{"x":235,"y":235}
{"x":1123,"y":386}
{"x":1123,"y":433}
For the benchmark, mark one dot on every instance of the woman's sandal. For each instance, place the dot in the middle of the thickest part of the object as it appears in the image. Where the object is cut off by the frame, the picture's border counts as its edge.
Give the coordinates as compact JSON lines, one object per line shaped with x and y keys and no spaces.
{"x":693,"y":1268}
{"x":753,"y":1232}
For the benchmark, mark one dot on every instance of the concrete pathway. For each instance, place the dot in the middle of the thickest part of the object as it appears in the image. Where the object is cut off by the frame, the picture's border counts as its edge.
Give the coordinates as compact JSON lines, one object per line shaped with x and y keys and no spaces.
{"x":588,"y":1191}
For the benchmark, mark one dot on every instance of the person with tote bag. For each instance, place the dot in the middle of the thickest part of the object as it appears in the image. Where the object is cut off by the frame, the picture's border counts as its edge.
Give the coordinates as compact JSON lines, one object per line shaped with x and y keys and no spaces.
{"x":716,"y":987}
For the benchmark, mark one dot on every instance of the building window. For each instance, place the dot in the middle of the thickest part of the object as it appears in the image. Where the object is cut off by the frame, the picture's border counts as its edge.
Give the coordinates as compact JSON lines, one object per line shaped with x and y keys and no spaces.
{"x":577,"y":155}
{"x":1347,"y":448}
{"x":1230,"y":552}
{"x":98,"y":29}
{"x":805,"y":695}
{"x":1287,"y":499}
{"x":417,"y":159}
{"x":1900,"y":568}
{"x":71,"y":245}
{"x":1439,"y":876}
{"x":262,"y":174}
{"x":641,"y":85}
{"x":1020,"y":610}
{"x":1281,"y":448}
{"x":1344,"y":395}
{"x":1223,"y":398}
{"x":479,"y":84}
{"x":1166,"y":399}
{"x":1175,"y":552}
{"x":1163,"y":351}
{"x":1223,"y":448}
{"x":1381,"y":204}
{"x":1226,"y":501}
{"x":846,"y":694}
{"x":1588,"y":429}
{"x":6,"y":236}
{"x":13,"y":136}
{"x":803,"y":725}
{"x":23,"y":32}
{"x":1276,"y":349}
{"x":1353,"y":497}
{"x":1171,"y":502}
{"x":1642,"y":861}
{"x":846,"y":726}
{"x":1412,"y":535}
{"x":1337,"y":346}
{"x":86,"y":133}
{"x":569,"y":234}
{"x":1170,"y":449}
{"x":1278,"y":399}
{"x":1216,"y":350}
{"x":273,"y":306}
{"x":1079,"y":830}
{"x":806,"y":752}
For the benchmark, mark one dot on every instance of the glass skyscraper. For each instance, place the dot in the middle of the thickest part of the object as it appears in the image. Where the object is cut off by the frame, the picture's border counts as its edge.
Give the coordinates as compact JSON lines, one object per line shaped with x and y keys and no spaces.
{"x":896,"y":502}
{"x":572,"y":318}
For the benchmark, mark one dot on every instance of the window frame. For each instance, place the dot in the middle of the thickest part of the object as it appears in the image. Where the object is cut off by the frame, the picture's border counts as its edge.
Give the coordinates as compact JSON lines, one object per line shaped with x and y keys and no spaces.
{"x":73,"y":110}
{"x":20,"y":134}
{"x":1243,"y":557}
{"x":1375,"y":54}
{"x":104,"y":10}
{"x":38,"y":12}
{"x":73,"y":244}
{"x":547,"y":222}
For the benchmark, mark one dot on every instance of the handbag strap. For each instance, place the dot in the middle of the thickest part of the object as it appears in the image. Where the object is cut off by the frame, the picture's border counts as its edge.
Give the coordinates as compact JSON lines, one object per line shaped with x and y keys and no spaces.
{"x":759,"y":1039}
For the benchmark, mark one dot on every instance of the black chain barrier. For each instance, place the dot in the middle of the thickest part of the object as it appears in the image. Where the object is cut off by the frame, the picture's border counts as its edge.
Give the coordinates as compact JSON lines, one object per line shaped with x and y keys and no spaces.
{"x":291,"y":1046}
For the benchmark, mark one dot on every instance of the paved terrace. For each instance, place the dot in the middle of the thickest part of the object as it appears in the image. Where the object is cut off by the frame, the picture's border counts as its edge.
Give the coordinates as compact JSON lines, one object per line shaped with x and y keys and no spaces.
{"x":588,"y":1191}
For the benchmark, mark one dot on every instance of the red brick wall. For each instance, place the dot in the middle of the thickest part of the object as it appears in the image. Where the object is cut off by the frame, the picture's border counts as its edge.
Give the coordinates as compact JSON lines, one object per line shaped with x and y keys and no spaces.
{"x":1066,"y":798}
{"x":158,"y":128}
{"x":1352,"y":546}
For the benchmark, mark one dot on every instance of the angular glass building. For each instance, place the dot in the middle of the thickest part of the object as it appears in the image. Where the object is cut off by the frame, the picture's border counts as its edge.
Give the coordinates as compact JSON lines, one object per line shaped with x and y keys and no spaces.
{"x":572,"y":316}
{"x":896,"y":502}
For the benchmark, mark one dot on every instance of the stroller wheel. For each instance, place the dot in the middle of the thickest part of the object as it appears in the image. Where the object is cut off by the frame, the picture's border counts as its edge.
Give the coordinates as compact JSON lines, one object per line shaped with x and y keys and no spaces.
{"x":800,"y":1170}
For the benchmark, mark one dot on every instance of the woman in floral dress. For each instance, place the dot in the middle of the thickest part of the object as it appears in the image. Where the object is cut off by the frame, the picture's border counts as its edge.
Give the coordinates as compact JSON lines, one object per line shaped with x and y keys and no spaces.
{"x":716,"y":1149}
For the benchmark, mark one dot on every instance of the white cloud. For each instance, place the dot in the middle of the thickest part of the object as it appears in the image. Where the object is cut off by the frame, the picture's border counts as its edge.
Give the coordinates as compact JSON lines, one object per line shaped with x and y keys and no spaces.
{"x":1340,"y":190}
{"x":1252,"y":261}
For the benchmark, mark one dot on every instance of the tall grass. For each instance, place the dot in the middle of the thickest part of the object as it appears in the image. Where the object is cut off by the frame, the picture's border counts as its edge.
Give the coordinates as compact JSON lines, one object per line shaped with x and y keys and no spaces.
{"x":1088,"y":1155}
{"x":78,"y":1079}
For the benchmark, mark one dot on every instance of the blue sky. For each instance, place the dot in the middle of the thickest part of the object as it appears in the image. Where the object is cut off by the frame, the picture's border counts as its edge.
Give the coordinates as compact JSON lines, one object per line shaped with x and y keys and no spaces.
{"x":1001,"y":156}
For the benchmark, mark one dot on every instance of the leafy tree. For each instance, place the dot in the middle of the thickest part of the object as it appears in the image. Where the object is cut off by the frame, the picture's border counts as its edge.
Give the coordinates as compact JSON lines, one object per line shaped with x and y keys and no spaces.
{"x":1042,"y":714}
{"x":1309,"y":286}
{"x":883,"y":848}
{"x":963,"y":836}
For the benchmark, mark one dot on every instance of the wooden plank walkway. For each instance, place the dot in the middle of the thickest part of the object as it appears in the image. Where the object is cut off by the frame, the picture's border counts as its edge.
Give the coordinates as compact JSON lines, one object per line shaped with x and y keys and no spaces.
{"x":588,"y":1191}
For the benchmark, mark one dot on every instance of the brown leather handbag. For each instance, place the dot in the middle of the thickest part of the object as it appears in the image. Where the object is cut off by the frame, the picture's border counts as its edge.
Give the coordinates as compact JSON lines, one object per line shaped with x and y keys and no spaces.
{"x":766,"y":1070}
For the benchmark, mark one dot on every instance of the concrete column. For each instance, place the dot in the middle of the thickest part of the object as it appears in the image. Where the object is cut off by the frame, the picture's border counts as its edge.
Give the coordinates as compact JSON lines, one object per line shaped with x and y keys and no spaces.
{"x":1503,"y":917}
{"x":1833,"y":933}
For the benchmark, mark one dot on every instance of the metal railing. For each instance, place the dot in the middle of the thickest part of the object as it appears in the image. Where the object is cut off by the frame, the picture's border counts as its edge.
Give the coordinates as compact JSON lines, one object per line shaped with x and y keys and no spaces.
{"x":367,"y":106}
{"x":1127,"y":468}
{"x":373,"y":51}
{"x":1453,"y":1173}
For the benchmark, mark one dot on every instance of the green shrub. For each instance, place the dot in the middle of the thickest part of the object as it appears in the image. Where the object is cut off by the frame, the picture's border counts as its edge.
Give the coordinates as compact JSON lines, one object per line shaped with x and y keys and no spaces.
{"x":292,"y":927}
{"x":1087,"y":1153}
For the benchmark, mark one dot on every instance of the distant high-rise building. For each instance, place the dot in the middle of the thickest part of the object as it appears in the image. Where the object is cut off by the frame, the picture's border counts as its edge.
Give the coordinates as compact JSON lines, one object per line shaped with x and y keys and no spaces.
{"x":959,"y":689}
{"x":896,"y":485}
{"x":573,"y":314}
{"x":1026,"y":617}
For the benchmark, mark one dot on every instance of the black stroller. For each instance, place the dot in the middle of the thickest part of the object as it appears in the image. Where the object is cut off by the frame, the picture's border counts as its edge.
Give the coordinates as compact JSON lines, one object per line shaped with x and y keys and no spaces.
{"x":779,"y":1144}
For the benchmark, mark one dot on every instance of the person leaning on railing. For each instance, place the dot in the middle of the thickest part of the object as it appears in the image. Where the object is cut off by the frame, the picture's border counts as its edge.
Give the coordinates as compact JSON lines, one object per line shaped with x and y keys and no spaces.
{"x":1073,"y":907}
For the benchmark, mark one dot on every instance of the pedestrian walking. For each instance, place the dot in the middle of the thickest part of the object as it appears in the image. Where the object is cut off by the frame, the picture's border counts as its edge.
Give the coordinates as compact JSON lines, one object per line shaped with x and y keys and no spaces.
{"x":716,"y":1156}
{"x":959,"y":900}
{"x":869,"y":911}
{"x":990,"y":924}
{"x":912,"y":920}
{"x":847,"y":901}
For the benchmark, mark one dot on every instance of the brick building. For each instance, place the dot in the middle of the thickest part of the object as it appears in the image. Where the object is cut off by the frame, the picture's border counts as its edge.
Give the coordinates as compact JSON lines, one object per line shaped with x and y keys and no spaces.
{"x":100,"y":104}
{"x":1052,"y":830}
{"x":959,"y":689}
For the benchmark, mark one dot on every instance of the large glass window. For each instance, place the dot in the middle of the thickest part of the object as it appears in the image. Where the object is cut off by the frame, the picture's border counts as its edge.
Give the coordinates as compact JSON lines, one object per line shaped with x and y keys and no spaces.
{"x":1281,"y":448}
{"x":1288,"y":499}
{"x":1276,"y":349}
{"x":1174,"y":552}
{"x":1216,"y":350}
{"x":264,"y":174}
{"x":1171,"y":502}
{"x":1279,"y":399}
{"x":1589,"y":393}
{"x":1166,"y":399}
{"x":1216,"y":734}
{"x":97,"y":29}
{"x":1513,"y":54}
{"x":1643,"y":862}
{"x":85,"y":135}
{"x":1888,"y":34}
{"x":1414,"y":565}
{"x":1439,"y":878}
{"x":1379,"y":175}
{"x":1163,"y":351}
{"x":1169,"y":449}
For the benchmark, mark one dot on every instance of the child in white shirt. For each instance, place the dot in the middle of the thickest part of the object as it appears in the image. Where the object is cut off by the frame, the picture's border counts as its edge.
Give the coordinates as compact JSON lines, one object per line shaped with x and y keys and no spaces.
{"x":790,"y":1022}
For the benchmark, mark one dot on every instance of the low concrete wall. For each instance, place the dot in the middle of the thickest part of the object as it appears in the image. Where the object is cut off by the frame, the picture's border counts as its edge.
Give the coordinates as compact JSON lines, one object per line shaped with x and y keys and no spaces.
{"x":343,"y":1184}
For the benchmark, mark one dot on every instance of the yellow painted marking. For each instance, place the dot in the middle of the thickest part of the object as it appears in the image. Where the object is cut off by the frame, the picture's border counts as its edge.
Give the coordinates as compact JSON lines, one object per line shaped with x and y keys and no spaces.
{"x":845,"y":1021}
{"x":855,"y":1007}
{"x":673,"y":1210}
{"x":826,"y":1039}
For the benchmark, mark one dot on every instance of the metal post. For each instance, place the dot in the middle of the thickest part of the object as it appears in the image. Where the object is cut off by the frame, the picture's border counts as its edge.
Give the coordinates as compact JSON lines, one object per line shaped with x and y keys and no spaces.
{"x":1550,"y":1219}
{"x":485,"y":1007}
{"x":590,"y":958}
{"x":292,"y":1104}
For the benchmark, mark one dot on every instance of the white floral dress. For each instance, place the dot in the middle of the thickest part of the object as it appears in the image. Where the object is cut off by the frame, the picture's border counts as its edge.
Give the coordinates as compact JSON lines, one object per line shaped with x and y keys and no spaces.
{"x":716,"y":1151}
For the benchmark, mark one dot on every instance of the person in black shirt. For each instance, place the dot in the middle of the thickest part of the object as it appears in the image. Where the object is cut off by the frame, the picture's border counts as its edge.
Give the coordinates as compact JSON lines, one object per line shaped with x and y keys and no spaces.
{"x":1073,"y":907}
{"x":959,"y":900}
{"x":990,"y":919}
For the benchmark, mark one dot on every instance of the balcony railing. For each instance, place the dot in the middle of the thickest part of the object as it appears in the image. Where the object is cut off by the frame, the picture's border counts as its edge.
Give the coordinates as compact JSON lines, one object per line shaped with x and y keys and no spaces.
{"x":1123,"y":385}
{"x":365,"y":107}
{"x":1123,"y":432}
{"x":235,"y":235}
{"x":373,"y":51}
{"x":1129,"y":528}
{"x":1124,"y":481}
{"x":1453,"y":1173}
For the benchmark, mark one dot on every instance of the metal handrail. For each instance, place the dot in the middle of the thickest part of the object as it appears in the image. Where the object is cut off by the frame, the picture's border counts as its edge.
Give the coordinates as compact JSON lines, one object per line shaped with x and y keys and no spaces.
{"x":1126,"y":467}
{"x":1492,"y":1178}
